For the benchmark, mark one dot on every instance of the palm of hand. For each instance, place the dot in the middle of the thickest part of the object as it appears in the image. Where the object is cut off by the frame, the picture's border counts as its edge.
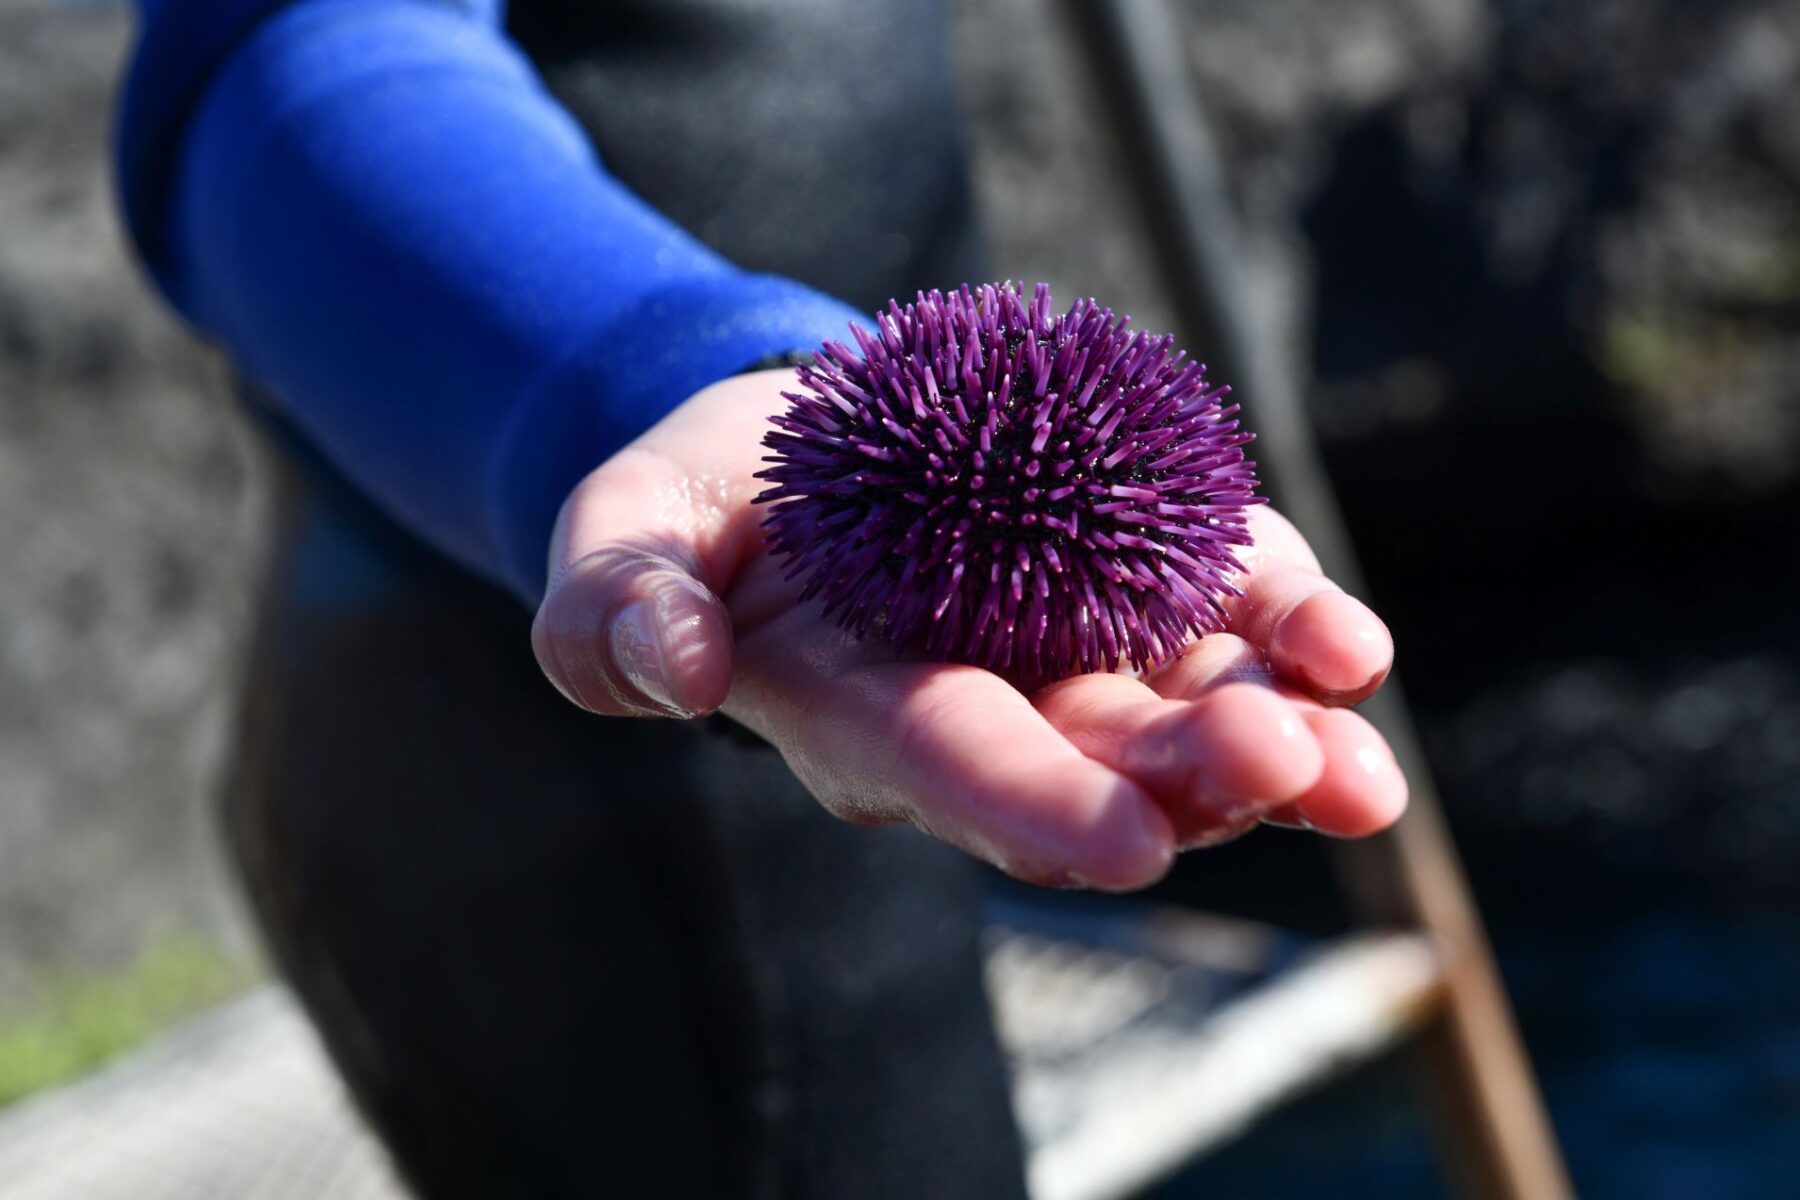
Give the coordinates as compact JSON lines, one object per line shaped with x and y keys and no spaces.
{"x":1096,"y":780}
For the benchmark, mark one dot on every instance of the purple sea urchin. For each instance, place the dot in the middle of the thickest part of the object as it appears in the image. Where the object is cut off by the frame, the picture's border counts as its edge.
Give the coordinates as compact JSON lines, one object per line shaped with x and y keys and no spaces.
{"x":1036,"y":494}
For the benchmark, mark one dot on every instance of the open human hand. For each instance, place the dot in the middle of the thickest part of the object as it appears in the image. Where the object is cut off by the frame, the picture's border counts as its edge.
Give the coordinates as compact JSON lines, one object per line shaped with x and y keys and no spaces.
{"x":663,"y":603}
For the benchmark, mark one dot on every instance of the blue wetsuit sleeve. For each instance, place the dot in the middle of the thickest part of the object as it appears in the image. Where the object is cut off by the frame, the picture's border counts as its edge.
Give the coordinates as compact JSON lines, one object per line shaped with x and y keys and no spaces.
{"x":376,"y":207}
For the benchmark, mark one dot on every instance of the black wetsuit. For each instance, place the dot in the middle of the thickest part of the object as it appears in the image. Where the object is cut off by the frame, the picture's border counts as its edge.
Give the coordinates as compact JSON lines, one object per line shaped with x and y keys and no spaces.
{"x":564,"y":956}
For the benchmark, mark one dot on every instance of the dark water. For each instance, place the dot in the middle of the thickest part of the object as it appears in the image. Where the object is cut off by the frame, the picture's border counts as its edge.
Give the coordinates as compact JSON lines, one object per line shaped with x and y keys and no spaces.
{"x":1669,"y":1051}
{"x":1631,"y":825}
{"x":1632,"y":828}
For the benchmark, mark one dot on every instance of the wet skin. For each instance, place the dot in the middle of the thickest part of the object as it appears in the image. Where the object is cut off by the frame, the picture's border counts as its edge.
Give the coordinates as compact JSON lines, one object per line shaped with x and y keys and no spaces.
{"x":662,"y":603}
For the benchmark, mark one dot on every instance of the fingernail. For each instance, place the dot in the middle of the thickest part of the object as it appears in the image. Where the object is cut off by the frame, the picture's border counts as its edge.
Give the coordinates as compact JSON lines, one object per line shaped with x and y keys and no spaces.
{"x":1225,"y":823}
{"x":1207,"y":839}
{"x":653,"y":637}
{"x":1288,"y":816}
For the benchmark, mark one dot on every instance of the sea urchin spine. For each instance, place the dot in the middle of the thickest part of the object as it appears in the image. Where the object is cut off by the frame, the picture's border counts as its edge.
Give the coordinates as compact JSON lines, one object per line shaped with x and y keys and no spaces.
{"x":988,"y":483}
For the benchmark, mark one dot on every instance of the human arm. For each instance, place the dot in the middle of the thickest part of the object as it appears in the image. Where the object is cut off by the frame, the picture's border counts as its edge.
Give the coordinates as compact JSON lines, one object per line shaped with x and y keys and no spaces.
{"x":374,"y":205}
{"x":451,"y":297}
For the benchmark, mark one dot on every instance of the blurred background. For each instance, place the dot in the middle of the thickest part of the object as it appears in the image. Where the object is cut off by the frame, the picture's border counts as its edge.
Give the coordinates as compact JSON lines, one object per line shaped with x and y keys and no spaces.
{"x":1545,"y":258}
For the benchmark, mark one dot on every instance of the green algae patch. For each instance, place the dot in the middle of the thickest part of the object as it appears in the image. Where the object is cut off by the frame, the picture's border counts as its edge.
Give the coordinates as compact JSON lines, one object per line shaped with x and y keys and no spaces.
{"x":80,"y":1019}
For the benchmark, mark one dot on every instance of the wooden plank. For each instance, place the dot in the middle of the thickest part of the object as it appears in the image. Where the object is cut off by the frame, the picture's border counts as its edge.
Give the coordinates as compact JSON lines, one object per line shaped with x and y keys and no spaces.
{"x":1410,"y":876}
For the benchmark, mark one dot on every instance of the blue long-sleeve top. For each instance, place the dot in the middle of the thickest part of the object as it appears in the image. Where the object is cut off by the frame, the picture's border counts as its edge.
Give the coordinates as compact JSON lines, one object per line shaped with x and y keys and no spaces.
{"x":381,"y":213}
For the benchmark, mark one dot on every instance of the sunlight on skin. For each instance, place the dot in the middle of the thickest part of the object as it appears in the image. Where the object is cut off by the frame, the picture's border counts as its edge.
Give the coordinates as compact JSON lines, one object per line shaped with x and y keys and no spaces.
{"x":1093,"y":781}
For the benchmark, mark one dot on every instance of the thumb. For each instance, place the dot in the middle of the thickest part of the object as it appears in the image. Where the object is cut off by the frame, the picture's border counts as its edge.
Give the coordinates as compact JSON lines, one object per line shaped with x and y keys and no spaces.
{"x":627,"y":628}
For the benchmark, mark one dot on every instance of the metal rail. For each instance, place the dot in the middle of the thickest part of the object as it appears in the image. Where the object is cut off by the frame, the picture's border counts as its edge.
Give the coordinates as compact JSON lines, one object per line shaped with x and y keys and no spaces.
{"x":1410,"y":876}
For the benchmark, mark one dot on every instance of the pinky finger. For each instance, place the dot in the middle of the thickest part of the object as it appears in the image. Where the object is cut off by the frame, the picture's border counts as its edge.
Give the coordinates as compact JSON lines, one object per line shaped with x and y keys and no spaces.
{"x":1361,"y":790}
